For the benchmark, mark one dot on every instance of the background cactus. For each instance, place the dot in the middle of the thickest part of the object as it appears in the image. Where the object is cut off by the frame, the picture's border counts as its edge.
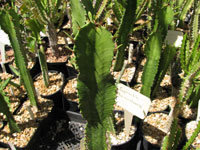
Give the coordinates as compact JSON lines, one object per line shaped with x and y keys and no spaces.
{"x":48,"y":13}
{"x":78,"y":15}
{"x":10,"y":23}
{"x":96,"y":88}
{"x":125,"y":27}
{"x":4,"y":106}
{"x":36,"y":28}
{"x":153,"y":49}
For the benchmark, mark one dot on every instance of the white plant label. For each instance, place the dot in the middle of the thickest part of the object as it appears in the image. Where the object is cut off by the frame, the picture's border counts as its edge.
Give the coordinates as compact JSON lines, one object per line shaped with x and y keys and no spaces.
{"x":198,"y":113}
{"x":174,"y":38}
{"x":132,"y":101}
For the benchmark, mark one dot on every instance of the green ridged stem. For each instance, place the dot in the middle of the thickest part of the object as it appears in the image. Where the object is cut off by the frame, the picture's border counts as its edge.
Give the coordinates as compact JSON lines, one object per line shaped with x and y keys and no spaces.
{"x":117,"y":10}
{"x":5,"y":106}
{"x":36,"y":28}
{"x":195,"y":20}
{"x":78,"y":16}
{"x":141,"y":7}
{"x":96,"y":87}
{"x":43,"y":65}
{"x":172,"y":134}
{"x":166,"y":58}
{"x":165,"y":142}
{"x":123,"y":32}
{"x":101,"y":8}
{"x":194,"y":98}
{"x":165,"y":19}
{"x":89,"y":6}
{"x":177,"y":138}
{"x":185,"y":9}
{"x":10,"y":23}
{"x":183,"y":53}
{"x":153,"y":51}
{"x":5,"y":110}
{"x":192,"y":138}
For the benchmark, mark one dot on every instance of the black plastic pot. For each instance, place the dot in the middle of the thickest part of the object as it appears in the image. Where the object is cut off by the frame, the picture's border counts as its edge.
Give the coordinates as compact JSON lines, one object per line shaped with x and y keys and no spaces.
{"x":146,"y":145}
{"x":131,"y":144}
{"x":22,"y":100}
{"x":58,"y":66}
{"x":58,"y":131}
{"x":8,"y":70}
{"x":72,"y":105}
{"x":77,"y":122}
{"x":49,"y":133}
{"x":55,"y":95}
{"x":36,"y":68}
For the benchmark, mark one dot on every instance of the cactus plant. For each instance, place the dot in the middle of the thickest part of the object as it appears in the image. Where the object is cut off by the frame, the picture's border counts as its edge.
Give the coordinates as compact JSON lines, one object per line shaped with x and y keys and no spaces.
{"x":36,"y":28}
{"x":123,"y":32}
{"x":10,"y":24}
{"x":191,"y":73}
{"x":48,"y":13}
{"x":78,"y":15}
{"x":153,"y":51}
{"x":4,"y":106}
{"x":96,"y":89}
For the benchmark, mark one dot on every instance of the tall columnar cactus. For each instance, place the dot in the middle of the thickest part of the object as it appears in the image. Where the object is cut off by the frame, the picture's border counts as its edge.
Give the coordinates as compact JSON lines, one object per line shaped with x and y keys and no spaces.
{"x":96,"y":88}
{"x":78,"y":15}
{"x":10,"y":23}
{"x":174,"y":136}
{"x":191,"y":73}
{"x":189,"y":57}
{"x":185,"y":5}
{"x":123,"y":32}
{"x":86,"y":9}
{"x":195,"y":20}
{"x":153,"y":51}
{"x":166,"y":58}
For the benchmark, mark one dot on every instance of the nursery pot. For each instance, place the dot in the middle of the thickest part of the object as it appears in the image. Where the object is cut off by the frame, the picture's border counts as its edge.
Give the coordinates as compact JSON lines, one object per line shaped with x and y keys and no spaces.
{"x":8,"y":70}
{"x":189,"y":129}
{"x":130,"y":144}
{"x":59,"y":131}
{"x":58,"y":66}
{"x":145,"y":143}
{"x":55,"y":95}
{"x":70,"y":94}
{"x":36,"y":68}
{"x":77,"y":126}
{"x":27,"y":124}
{"x":22,"y":100}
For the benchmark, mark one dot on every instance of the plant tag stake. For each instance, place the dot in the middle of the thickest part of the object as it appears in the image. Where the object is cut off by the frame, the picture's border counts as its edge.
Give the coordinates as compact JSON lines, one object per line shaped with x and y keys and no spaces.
{"x":133,"y":102}
{"x":128,"y":120}
{"x":198,"y":113}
